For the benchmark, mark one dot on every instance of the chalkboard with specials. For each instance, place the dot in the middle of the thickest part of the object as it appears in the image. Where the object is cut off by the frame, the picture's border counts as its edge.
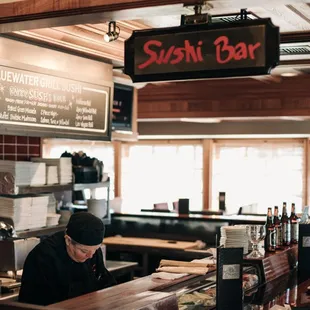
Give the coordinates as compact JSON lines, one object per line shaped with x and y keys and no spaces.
{"x":241,"y":48}
{"x":32,"y":103}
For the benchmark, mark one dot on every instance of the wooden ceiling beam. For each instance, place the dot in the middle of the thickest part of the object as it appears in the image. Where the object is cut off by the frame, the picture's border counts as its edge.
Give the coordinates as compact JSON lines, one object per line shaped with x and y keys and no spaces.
{"x":86,"y":39}
{"x":32,"y":14}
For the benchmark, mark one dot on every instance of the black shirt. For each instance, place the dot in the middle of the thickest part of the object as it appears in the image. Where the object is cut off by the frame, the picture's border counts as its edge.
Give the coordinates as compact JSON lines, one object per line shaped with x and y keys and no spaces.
{"x":51,"y":276}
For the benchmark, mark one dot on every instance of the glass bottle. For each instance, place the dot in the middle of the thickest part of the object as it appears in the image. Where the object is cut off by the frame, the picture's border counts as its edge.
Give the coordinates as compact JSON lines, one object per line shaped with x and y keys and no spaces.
{"x":286,"y":226}
{"x":270,"y":240}
{"x":294,"y":225}
{"x":278,"y":225}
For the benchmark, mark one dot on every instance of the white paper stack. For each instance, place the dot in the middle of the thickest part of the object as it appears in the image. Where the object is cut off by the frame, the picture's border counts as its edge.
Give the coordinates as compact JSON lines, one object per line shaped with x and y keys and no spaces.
{"x":52,"y":219}
{"x":235,"y":237}
{"x":26,"y":212}
{"x":51,"y":175}
{"x":64,"y":167}
{"x":17,"y":209}
{"x":20,"y":171}
{"x":37,"y":174}
{"x":51,"y":206}
{"x":38,"y":211}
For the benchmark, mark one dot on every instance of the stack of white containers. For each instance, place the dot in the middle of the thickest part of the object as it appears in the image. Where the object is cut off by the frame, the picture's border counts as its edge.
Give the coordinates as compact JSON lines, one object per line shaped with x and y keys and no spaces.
{"x":51,"y":175}
{"x":26,"y":212}
{"x":52,"y":216}
{"x":20,"y":170}
{"x":64,"y":168}
{"x":38,"y":211}
{"x":37,"y":174}
{"x":235,"y":237}
{"x":14,"y":174}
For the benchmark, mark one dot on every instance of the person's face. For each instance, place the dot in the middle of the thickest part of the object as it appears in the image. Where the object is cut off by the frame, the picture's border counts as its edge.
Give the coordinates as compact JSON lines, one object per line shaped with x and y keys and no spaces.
{"x":78,"y":252}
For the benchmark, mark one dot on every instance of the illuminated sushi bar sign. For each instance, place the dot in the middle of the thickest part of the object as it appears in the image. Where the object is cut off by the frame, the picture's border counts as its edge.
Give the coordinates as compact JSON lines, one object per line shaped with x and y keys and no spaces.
{"x":243,"y":48}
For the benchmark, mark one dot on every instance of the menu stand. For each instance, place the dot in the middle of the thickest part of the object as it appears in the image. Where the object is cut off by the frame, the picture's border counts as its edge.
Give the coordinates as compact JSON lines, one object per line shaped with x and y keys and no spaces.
{"x":229,"y":292}
{"x":304,"y":252}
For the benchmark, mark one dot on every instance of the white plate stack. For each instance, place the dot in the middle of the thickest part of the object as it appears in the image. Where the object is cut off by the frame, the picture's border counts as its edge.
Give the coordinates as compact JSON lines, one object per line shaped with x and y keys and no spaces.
{"x":64,"y":167}
{"x":235,"y":237}
{"x":37,"y":174}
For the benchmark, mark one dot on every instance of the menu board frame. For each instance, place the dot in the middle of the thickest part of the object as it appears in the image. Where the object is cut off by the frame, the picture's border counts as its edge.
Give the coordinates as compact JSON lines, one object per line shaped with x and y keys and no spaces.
{"x":241,"y":48}
{"x":70,"y":132}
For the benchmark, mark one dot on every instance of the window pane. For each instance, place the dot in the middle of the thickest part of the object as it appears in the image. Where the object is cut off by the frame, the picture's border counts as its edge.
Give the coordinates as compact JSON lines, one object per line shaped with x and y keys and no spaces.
{"x":161,"y":174}
{"x":264,"y":175}
{"x":102,"y":151}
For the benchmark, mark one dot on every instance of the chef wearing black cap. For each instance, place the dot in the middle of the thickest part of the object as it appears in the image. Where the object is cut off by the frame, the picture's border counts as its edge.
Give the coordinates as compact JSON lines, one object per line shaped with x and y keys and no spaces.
{"x":67,"y":264}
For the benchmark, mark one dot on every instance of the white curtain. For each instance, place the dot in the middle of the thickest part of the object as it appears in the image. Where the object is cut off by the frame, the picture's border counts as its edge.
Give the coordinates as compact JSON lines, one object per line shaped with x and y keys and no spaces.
{"x":161,"y":173}
{"x":263,"y":174}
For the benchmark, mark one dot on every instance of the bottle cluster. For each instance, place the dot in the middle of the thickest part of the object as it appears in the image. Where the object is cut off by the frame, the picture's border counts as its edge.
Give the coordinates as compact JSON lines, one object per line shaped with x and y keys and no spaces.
{"x":281,"y":230}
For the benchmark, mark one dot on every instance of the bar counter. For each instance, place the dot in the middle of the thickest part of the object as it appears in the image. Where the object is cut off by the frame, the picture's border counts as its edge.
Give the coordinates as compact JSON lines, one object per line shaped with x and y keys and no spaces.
{"x":162,"y":295}
{"x":150,"y":293}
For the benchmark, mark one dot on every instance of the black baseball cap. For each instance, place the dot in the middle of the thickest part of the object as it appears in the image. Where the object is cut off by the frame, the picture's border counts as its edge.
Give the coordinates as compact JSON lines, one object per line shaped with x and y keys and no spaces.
{"x":85,"y":228}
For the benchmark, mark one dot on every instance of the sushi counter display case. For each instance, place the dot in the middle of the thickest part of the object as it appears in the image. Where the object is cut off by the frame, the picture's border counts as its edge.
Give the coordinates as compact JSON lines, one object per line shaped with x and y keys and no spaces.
{"x":202,"y":293}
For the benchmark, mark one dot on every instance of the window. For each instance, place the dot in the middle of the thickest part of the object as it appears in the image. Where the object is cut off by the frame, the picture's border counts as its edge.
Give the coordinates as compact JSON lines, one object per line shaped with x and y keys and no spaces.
{"x":102,"y":150}
{"x":261,"y":174}
{"x":161,"y":173}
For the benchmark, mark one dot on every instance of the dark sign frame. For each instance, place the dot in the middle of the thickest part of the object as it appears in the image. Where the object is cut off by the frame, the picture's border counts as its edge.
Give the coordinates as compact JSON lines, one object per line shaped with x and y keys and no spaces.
{"x":120,"y":126}
{"x":54,"y":131}
{"x":271,"y":51}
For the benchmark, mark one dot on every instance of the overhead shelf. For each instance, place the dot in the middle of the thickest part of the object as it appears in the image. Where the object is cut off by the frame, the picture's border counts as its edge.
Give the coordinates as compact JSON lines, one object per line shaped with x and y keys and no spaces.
{"x":49,"y":230}
{"x":38,"y":232}
{"x":60,"y":188}
{"x":44,"y":189}
{"x":82,"y":186}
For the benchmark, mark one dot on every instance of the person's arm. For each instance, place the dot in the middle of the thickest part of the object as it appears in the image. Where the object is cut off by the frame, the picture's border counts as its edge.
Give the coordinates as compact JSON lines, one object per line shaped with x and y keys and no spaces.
{"x":104,"y":277}
{"x":39,"y":284}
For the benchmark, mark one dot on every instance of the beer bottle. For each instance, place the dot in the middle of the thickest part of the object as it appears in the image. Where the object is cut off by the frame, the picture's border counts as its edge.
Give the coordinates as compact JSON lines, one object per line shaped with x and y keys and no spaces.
{"x":294,"y":225}
{"x":270,"y":240}
{"x":286,"y":226}
{"x":278,"y":225}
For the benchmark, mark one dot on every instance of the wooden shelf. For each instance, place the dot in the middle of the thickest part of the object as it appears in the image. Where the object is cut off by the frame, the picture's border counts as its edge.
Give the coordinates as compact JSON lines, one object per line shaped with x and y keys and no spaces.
{"x":60,"y":188}
{"x":49,"y":230}
{"x":38,"y":232}
{"x":44,"y":189}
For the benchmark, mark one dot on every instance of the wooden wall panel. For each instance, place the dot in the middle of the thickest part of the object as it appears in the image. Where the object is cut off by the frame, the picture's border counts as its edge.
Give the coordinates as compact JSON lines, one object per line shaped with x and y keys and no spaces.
{"x":225,"y":98}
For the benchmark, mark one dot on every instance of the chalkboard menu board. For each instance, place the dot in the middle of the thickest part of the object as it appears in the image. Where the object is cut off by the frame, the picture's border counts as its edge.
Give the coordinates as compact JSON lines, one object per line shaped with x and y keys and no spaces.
{"x":32,"y":103}
{"x":247,"y":47}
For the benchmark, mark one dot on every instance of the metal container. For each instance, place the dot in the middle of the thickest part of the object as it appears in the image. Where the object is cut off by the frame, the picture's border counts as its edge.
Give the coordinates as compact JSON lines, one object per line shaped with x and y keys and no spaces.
{"x":14,"y":252}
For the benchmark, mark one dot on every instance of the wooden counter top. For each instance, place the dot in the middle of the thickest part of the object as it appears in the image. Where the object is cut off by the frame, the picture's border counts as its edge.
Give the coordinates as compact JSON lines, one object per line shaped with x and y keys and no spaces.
{"x":147,"y":242}
{"x":123,"y":300}
{"x":123,"y":293}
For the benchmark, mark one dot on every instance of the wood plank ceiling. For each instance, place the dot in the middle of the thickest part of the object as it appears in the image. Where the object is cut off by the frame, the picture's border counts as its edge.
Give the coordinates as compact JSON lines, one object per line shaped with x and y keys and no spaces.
{"x":88,"y":40}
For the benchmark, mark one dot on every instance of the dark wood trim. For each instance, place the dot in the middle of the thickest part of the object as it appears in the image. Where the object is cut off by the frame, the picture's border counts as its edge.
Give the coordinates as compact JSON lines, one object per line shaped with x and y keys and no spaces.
{"x":295,"y":37}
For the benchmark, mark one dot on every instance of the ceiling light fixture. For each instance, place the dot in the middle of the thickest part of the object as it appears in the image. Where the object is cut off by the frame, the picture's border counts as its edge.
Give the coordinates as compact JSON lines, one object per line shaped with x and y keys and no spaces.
{"x":113,"y":32}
